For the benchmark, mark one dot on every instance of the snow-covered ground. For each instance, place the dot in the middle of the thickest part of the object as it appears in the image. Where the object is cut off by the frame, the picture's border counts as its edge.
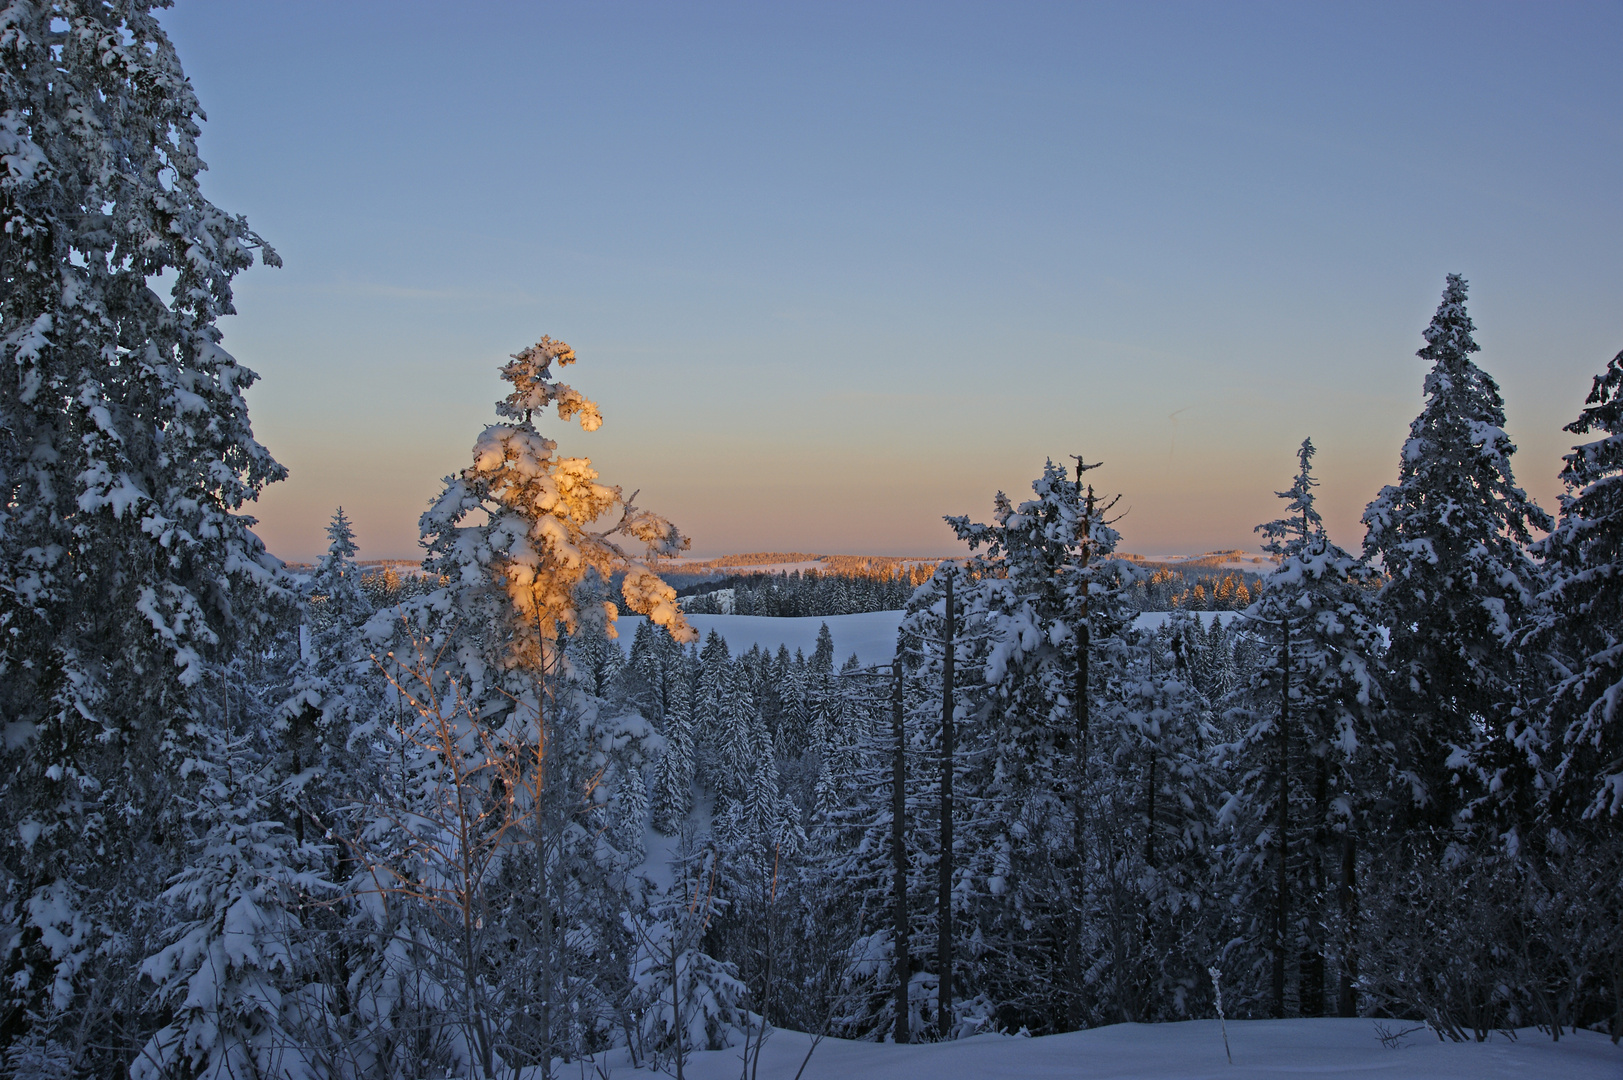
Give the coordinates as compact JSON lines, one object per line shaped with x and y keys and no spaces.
{"x":871,"y":634}
{"x":1275,"y":1049}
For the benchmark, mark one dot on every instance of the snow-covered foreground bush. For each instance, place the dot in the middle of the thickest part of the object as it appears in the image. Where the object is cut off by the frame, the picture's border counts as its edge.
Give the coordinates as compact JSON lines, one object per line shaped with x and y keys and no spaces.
{"x":1190,"y":1050}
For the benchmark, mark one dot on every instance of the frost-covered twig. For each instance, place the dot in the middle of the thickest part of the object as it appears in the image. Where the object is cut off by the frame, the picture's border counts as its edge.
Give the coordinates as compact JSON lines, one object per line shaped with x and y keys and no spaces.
{"x":1217,"y":988}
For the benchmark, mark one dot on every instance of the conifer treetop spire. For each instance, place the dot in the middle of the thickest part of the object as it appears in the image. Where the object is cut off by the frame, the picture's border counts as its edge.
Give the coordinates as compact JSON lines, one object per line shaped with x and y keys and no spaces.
{"x":1455,"y":478}
{"x":1288,"y":535}
{"x":1448,"y":338}
{"x":342,"y":535}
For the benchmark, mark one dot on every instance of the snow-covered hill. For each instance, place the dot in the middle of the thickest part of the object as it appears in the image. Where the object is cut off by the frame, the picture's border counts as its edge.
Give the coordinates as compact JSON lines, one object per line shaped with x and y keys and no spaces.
{"x":1275,"y":1049}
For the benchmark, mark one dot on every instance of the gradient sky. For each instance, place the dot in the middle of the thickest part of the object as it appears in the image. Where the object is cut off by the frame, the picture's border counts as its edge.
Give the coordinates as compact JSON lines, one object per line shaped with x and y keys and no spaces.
{"x":834,"y":270}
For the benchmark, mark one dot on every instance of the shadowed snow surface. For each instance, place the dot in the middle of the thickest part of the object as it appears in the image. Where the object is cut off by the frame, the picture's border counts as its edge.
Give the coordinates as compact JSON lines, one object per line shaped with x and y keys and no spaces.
{"x":1192,"y":1050}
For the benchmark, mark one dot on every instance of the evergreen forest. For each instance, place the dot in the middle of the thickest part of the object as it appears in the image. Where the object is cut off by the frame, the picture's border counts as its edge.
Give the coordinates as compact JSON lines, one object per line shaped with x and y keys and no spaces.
{"x":265,"y":822}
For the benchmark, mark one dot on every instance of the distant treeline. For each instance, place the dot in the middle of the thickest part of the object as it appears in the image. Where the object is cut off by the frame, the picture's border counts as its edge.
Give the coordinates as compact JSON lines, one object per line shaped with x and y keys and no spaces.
{"x":862,"y":565}
{"x":810,"y":593}
{"x":863,"y":583}
{"x":387,"y":587}
{"x":798,"y":593}
{"x":1194,"y":588}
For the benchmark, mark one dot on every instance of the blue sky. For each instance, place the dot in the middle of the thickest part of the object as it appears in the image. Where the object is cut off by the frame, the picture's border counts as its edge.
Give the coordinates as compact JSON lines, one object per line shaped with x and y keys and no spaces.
{"x":834,"y":270}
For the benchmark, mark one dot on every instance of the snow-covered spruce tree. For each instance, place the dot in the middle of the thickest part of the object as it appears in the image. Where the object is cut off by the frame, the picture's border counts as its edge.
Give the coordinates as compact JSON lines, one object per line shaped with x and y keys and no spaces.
{"x":714,"y":663}
{"x":794,"y":727}
{"x":822,"y":658}
{"x":1147,"y":920}
{"x":238,"y":972}
{"x":839,"y":743}
{"x":845,"y":883}
{"x":126,"y":569}
{"x":1046,"y":597}
{"x":1170,"y":733}
{"x":1303,"y":779}
{"x":1451,"y":536}
{"x":671,"y":794}
{"x":656,"y":663}
{"x":1584,"y":559}
{"x":954,"y":840}
{"x":852,"y":928}
{"x":1511,"y":910}
{"x":595,"y":658}
{"x":515,"y":534}
{"x":1545,"y":890}
{"x":759,"y":836}
{"x":684,"y":999}
{"x":1091,"y":761}
{"x":336,"y":692}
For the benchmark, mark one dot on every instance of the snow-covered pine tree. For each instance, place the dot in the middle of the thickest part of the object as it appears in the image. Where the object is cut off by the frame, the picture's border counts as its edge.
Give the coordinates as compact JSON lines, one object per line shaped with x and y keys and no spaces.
{"x":127,"y":570}
{"x":1302,"y":780}
{"x":1451,"y":535}
{"x":547,"y":524}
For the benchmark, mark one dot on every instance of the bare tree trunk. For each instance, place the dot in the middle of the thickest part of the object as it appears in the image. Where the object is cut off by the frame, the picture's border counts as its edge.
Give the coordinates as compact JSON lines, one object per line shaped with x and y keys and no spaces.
{"x":898,"y":842}
{"x":1149,"y":815}
{"x":1281,"y":842}
{"x":1081,"y":712}
{"x":543,"y":795}
{"x":1315,"y":945}
{"x":676,"y":999}
{"x":944,"y":901}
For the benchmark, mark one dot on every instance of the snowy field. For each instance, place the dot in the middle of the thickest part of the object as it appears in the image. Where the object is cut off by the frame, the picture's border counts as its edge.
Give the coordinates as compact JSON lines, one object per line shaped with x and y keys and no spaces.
{"x":871,"y":634}
{"x":1272,"y":1049}
{"x":1151,"y":620}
